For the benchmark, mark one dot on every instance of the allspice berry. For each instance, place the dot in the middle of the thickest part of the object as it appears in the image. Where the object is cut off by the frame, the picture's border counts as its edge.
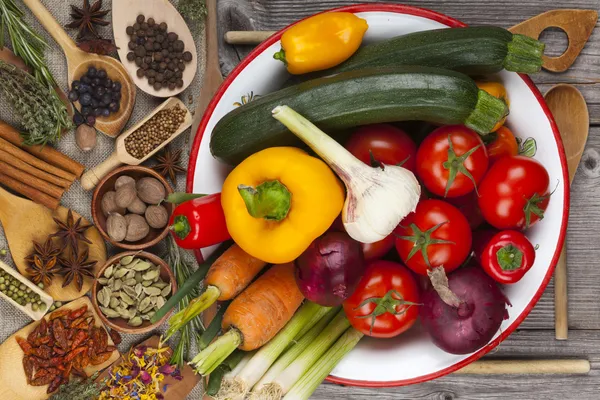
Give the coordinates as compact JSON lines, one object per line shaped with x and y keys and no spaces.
{"x":157,"y":216}
{"x":116,"y":227}
{"x":85,"y":137}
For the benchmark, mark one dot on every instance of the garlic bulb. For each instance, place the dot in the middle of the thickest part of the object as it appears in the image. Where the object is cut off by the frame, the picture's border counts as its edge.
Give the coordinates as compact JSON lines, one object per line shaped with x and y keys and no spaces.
{"x":377,"y":198}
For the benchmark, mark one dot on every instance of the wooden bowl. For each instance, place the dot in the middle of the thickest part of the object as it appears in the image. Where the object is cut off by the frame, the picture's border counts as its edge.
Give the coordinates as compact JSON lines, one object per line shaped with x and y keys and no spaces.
{"x":107,"y":184}
{"x":120,"y":324}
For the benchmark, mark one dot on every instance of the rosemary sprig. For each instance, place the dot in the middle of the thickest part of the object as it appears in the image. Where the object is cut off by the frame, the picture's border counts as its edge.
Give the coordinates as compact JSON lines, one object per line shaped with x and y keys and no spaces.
{"x":194,"y":10}
{"x":193,"y":330}
{"x":30,"y":46}
{"x":78,"y":389}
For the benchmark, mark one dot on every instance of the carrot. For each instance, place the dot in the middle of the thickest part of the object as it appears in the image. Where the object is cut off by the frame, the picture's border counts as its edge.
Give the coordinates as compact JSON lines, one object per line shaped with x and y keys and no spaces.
{"x":226,"y":278}
{"x":233,"y":272}
{"x":254,"y":317}
{"x":265,"y":307}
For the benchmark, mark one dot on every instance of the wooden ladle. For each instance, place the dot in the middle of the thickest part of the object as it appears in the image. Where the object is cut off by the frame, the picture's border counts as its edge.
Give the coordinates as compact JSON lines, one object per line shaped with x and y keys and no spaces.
{"x":124,"y":14}
{"x":572,"y":118}
{"x":25,"y":222}
{"x":120,"y":156}
{"x":78,"y":62}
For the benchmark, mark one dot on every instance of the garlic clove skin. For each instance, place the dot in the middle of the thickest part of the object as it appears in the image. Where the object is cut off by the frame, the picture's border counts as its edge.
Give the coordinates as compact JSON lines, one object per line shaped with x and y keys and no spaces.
{"x":377,"y":203}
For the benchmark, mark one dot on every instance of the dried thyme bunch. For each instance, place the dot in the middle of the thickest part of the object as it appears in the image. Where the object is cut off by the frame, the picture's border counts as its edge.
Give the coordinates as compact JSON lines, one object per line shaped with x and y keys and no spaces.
{"x":82,"y":389}
{"x":194,"y":10}
{"x":42,"y":113}
{"x":30,"y":46}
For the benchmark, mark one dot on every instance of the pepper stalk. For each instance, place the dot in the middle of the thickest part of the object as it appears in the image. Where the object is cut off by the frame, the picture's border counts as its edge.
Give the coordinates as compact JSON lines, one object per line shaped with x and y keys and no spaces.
{"x":377,"y":198}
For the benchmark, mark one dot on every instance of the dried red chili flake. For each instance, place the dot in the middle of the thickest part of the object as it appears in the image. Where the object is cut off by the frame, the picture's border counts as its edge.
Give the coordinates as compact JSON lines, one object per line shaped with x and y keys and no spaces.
{"x":28,"y":368}
{"x":25,"y":345}
{"x":58,"y":331}
{"x":115,"y":336}
{"x":55,"y":384}
{"x":42,"y":380}
{"x":101,"y":358}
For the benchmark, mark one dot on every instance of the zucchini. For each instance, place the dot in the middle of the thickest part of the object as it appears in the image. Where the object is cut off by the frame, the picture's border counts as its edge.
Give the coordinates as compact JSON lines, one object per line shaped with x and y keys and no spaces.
{"x":356,"y":98}
{"x":477,"y":50}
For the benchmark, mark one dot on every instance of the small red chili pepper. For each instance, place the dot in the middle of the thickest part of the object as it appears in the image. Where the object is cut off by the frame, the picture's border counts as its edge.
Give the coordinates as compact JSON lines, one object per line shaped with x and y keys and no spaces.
{"x":199,"y":223}
{"x":505,"y":256}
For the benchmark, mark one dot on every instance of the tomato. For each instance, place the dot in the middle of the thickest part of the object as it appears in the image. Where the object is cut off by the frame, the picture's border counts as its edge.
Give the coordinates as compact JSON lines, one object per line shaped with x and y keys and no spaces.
{"x":505,"y":256}
{"x":388,"y":145}
{"x":504,"y":144}
{"x":385,"y":303}
{"x":469,"y":206}
{"x":374,"y":251}
{"x":451,"y":161}
{"x":436,"y":234}
{"x":514,"y":194}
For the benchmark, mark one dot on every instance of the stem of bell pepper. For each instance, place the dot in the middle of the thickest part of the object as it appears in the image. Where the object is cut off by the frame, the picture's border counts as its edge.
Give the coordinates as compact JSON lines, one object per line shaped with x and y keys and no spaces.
{"x":181,"y":226}
{"x":280,"y":55}
{"x":270,"y":200}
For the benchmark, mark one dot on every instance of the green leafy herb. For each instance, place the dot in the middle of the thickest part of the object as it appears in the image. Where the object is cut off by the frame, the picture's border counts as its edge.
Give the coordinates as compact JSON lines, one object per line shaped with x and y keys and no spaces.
{"x":194,"y":10}
{"x":86,"y":389}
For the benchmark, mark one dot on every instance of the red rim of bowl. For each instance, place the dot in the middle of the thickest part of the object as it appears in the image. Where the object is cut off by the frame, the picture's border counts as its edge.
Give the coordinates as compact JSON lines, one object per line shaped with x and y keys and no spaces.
{"x":453,"y":23}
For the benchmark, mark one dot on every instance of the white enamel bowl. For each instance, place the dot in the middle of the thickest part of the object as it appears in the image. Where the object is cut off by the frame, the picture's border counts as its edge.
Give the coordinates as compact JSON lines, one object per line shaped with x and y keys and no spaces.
{"x":412,"y":357}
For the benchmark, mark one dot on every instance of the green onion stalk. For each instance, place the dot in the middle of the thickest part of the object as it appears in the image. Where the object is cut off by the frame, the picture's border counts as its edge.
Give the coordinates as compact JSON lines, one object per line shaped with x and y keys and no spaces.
{"x":192,"y":331}
{"x":231,"y":366}
{"x":43,"y":124}
{"x":209,"y":359}
{"x":310,"y":381}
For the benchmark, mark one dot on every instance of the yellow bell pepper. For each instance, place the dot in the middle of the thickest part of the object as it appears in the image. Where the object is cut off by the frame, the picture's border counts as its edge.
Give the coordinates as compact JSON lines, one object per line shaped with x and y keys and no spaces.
{"x":278,"y":201}
{"x":321,"y":42}
{"x":498,"y":90}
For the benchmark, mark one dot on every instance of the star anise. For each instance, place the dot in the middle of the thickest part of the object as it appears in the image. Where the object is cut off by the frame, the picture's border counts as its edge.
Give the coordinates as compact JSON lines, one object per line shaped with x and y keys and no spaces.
{"x":43,"y":271}
{"x":71,"y":231}
{"x":169,"y":164}
{"x":46,"y":251}
{"x":76,"y":266}
{"x":86,"y":18}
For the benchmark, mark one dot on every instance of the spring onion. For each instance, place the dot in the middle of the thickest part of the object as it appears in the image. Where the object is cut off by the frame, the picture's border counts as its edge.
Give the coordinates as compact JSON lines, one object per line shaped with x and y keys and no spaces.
{"x":216,"y":378}
{"x":213,"y":328}
{"x":307,"y":385}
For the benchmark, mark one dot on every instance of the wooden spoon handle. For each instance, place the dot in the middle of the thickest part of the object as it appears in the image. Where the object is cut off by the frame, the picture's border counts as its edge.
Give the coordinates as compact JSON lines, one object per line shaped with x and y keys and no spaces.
{"x":52,"y":26}
{"x":90,"y":179}
{"x":561,"y":305}
{"x":247,"y":37}
{"x":566,"y":367}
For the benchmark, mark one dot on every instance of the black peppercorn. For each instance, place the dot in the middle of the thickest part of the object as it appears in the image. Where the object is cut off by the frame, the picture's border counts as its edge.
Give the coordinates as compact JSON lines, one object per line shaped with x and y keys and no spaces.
{"x":140,"y":18}
{"x":140,"y":33}
{"x":158,"y":56}
{"x":86,"y":111}
{"x":139,"y":61}
{"x":179,"y":46}
{"x":130,"y":31}
{"x":148,"y":59}
{"x":140,"y":73}
{"x":180,"y":83}
{"x":168,"y":74}
{"x":144,"y":26}
{"x":163,"y":66}
{"x":154,"y":65}
{"x":106,"y":99}
{"x":140,"y":51}
{"x":172,"y":36}
{"x":102,"y":74}
{"x":132,"y":45}
{"x":151,"y":22}
{"x":160,"y":77}
{"x":163,"y":26}
{"x":141,"y":41}
{"x":157,"y":85}
{"x":95,"y":103}
{"x":150,"y":73}
{"x":181,"y":66}
{"x":171,"y":66}
{"x":145,"y":66}
{"x":172,"y":86}
{"x":165,"y":45}
{"x":95,"y":81}
{"x":130,"y":56}
{"x":151,"y":81}
{"x":151,"y":32}
{"x":136,"y":27}
{"x":187,"y":56}
{"x":165,"y":53}
{"x":178,"y":74}
{"x":165,"y":84}
{"x":160,"y":38}
{"x":149,"y":46}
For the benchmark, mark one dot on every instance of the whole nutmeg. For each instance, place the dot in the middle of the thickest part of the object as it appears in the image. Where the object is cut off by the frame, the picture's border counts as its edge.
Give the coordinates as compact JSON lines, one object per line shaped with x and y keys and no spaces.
{"x":125,"y":195}
{"x":109,"y":205}
{"x":157,"y":216}
{"x":137,"y":228}
{"x":116,"y":227}
{"x":124,"y":180}
{"x":85,"y":137}
{"x":151,"y":190}
{"x":137,"y":206}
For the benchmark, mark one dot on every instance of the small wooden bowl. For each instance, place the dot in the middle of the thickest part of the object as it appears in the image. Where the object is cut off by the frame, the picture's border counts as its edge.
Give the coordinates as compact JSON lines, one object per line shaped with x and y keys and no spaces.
{"x":107,"y":184}
{"x":120,"y":324}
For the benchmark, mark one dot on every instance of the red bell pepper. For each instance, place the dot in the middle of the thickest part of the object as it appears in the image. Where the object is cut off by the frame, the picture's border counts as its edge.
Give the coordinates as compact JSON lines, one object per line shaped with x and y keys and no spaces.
{"x":199,"y":223}
{"x":505,"y":256}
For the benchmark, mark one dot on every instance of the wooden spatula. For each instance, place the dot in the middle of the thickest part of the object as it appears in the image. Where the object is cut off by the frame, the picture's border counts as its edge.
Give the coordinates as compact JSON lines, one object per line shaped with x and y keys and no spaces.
{"x":577,"y":24}
{"x":24,"y":221}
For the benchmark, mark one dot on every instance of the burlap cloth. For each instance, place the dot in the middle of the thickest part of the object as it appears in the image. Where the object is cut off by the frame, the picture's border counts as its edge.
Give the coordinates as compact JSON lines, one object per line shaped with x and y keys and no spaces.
{"x":76,"y":198}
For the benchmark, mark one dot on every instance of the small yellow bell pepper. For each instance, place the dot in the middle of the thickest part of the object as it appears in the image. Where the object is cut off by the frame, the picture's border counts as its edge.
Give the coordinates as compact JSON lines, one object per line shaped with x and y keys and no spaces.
{"x":278,"y":201}
{"x":321,"y":42}
{"x":497,"y":90}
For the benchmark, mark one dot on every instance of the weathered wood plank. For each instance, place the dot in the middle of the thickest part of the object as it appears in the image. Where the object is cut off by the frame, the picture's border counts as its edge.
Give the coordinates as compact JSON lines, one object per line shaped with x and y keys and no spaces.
{"x":521,"y":344}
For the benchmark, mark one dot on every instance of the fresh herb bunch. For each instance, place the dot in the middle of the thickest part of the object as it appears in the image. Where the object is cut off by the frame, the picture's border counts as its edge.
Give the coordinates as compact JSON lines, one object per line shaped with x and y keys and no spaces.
{"x":42,"y":113}
{"x":192,"y":331}
{"x":30,"y":46}
{"x":82,"y":389}
{"x":194,"y":10}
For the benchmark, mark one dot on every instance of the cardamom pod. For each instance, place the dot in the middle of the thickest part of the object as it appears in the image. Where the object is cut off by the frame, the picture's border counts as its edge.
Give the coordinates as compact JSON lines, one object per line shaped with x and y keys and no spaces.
{"x":130,"y":282}
{"x":151,"y":275}
{"x":114,"y":302}
{"x":120,"y":273}
{"x":103,"y":281}
{"x":142,"y":266}
{"x":160,"y":301}
{"x":126,"y":260}
{"x":138,"y":289}
{"x":109,"y":313}
{"x":166,"y":291}
{"x":127,"y":299}
{"x":152,"y":291}
{"x":108,"y":272}
{"x":130,"y":291}
{"x":135,"y":321}
{"x":117,"y":285}
{"x":144,"y":303}
{"x":146,"y":283}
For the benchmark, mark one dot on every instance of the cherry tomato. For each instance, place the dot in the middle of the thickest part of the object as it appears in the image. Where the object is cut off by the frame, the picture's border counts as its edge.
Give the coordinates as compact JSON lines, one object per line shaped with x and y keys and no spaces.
{"x":375,"y":251}
{"x":505,"y":256}
{"x":469,"y":206}
{"x":505,"y":144}
{"x":435,"y":235}
{"x":388,"y":145}
{"x":451,"y":161}
{"x":514,"y":194}
{"x":385,"y":303}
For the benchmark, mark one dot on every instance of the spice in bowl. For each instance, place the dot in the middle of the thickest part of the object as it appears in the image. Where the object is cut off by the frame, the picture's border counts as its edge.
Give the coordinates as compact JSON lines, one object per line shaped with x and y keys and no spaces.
{"x":132,"y":289}
{"x":159,"y":54}
{"x":98,"y":95}
{"x":155,"y":131}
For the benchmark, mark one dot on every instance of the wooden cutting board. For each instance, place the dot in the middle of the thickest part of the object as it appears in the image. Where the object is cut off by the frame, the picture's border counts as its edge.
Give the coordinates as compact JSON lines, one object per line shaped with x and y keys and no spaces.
{"x":13,"y":383}
{"x":176,"y":390}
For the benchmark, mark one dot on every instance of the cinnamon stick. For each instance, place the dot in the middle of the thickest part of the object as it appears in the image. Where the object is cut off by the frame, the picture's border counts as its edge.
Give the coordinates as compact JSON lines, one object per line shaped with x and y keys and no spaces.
{"x":23,"y":166}
{"x":45,"y":153}
{"x":29,"y":192}
{"x":34,"y":161}
{"x":37,"y":183}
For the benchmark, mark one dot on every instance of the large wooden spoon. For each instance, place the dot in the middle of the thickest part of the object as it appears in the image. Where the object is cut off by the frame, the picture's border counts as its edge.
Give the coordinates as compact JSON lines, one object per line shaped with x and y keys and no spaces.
{"x":78,"y":62}
{"x":25,"y":222}
{"x":572,"y":118}
{"x":124,"y":14}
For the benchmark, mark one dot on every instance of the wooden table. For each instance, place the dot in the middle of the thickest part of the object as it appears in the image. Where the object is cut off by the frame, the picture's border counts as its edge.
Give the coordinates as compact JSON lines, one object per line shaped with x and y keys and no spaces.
{"x":535,"y":337}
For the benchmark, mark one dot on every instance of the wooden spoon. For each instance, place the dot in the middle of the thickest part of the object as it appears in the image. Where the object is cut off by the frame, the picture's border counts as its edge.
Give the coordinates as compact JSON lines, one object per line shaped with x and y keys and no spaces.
{"x":124,"y":14}
{"x":577,"y":24}
{"x":571,"y":115}
{"x":78,"y":62}
{"x":120,"y":156}
{"x":25,"y":222}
